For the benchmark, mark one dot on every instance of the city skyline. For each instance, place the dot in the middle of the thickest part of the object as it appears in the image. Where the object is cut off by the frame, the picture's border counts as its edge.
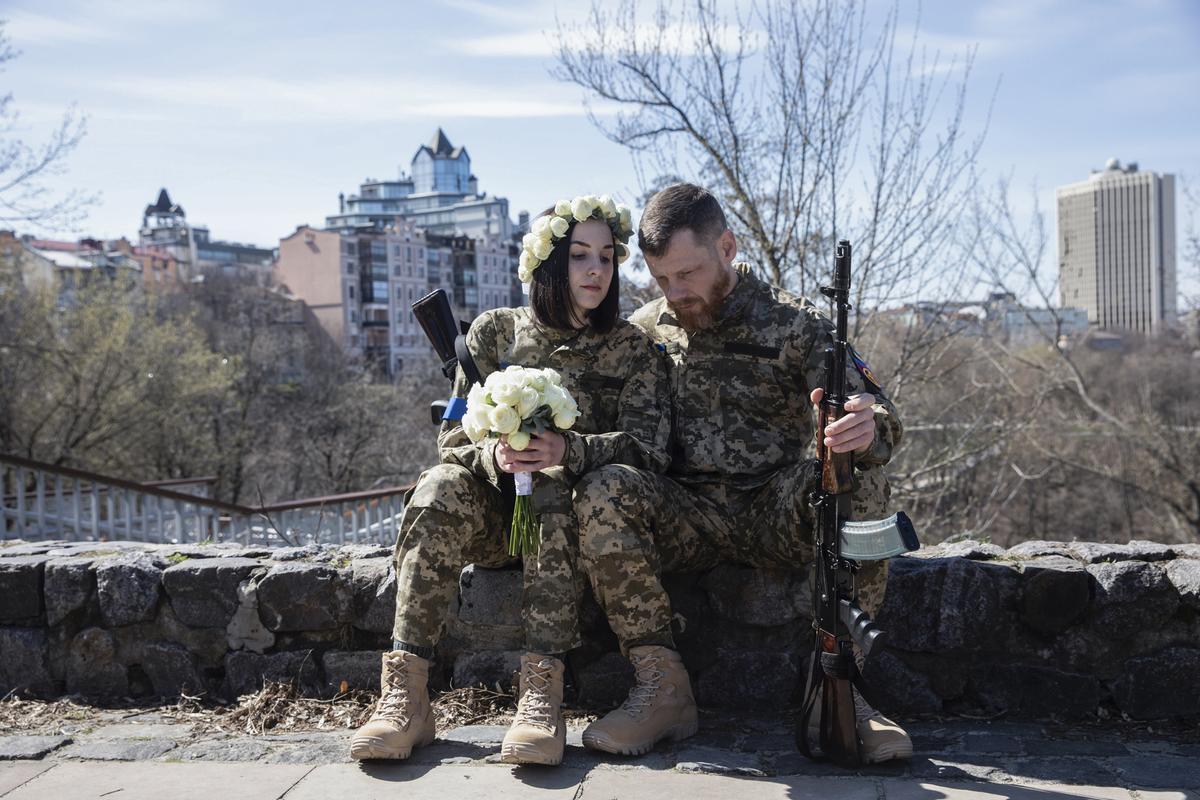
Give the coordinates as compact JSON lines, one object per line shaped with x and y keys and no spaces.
{"x":256,"y":126}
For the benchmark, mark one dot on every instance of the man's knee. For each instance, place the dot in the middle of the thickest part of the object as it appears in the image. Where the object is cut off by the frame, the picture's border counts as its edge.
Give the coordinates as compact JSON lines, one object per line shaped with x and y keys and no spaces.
{"x":450,"y":489}
{"x":602,"y":500}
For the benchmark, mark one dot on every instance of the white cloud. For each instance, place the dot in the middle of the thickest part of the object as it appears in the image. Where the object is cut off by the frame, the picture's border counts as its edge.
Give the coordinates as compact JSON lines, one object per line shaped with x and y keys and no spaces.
{"x":27,"y":27}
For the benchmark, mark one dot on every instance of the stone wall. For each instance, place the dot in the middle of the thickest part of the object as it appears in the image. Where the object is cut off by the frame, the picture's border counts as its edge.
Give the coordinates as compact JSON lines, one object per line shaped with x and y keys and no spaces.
{"x":1041,"y":630}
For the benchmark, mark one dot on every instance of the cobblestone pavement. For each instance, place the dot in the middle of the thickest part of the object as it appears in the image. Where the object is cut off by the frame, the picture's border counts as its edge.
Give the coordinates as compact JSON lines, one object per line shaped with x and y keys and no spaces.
{"x":123,"y":757}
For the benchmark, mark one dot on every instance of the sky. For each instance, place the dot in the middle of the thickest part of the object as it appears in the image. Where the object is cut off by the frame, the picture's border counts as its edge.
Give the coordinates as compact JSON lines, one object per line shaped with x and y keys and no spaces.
{"x":256,"y":115}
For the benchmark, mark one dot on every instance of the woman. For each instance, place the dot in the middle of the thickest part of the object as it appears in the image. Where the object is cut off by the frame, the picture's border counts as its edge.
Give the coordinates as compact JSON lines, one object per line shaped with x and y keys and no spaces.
{"x":458,"y":512}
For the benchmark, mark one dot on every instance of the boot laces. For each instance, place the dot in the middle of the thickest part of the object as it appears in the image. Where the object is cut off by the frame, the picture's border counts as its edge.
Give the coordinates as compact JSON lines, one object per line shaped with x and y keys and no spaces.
{"x":393,"y":703}
{"x":535,"y":707}
{"x":648,"y":678}
{"x":863,"y":710}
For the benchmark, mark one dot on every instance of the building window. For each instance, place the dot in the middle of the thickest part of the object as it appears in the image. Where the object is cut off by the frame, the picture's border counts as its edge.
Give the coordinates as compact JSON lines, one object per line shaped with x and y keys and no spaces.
{"x":350,"y":289}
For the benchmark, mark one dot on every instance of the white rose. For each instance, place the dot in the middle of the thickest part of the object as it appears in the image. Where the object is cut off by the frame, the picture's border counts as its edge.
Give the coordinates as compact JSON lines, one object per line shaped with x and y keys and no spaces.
{"x":525,"y":275}
{"x":565,"y":420}
{"x":518,"y":440}
{"x":552,"y":377}
{"x":529,"y":401}
{"x":505,"y":419}
{"x":539,"y":225}
{"x":543,"y":249}
{"x":504,"y":390}
{"x":562,"y":208}
{"x":528,"y":260}
{"x":476,"y":423}
{"x":558,"y":226}
{"x":581,"y":208}
{"x":529,"y":240}
{"x":536,"y":380}
{"x":607,"y":206}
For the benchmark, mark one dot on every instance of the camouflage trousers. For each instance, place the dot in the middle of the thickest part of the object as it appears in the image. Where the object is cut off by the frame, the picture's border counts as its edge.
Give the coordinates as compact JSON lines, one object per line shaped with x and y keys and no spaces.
{"x":454,"y":518}
{"x":635,"y":525}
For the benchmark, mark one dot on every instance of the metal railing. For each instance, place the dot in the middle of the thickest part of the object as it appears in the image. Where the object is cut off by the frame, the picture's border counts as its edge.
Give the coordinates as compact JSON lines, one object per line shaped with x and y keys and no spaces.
{"x":44,"y":501}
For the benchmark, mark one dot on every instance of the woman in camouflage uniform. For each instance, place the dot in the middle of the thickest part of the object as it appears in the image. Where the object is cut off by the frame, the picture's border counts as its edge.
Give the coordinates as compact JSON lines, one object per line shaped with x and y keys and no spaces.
{"x":459,"y":510}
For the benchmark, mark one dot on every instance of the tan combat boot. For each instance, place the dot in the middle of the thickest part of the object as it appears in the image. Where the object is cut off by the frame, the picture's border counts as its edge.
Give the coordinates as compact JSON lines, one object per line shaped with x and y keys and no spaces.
{"x":659,"y":706}
{"x":402,"y":718}
{"x":538,"y":734}
{"x":882,"y":739}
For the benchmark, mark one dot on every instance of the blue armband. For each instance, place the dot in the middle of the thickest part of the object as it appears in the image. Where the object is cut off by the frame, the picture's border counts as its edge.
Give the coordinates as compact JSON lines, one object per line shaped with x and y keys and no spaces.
{"x":455,"y":408}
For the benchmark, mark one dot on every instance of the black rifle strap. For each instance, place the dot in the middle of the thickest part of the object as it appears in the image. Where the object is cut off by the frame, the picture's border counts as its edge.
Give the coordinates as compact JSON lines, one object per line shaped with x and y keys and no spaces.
{"x":466,"y":361}
{"x":811,"y":689}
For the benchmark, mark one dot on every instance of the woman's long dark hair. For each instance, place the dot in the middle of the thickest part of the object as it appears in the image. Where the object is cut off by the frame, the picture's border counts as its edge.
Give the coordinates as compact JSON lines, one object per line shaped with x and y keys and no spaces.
{"x":550,"y":290}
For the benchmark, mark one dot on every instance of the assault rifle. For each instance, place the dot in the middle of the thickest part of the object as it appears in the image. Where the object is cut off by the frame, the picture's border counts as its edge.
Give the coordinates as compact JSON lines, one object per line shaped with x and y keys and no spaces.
{"x":838,"y":620}
{"x":449,"y":341}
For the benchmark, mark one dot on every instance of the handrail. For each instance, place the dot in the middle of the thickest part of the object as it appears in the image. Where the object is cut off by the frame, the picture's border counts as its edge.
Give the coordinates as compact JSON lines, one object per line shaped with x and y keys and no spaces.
{"x":169,"y":494}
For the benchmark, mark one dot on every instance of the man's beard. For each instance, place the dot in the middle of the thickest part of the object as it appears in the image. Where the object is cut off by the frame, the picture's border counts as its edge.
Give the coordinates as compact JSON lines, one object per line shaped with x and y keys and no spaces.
{"x":702,"y":313}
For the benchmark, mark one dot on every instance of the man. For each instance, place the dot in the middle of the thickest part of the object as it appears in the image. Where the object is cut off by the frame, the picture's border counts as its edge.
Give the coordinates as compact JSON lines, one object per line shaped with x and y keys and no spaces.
{"x":745,"y":358}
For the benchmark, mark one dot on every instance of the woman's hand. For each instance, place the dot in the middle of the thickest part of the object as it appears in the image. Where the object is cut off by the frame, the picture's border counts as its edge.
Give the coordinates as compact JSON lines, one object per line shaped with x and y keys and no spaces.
{"x":544,"y":451}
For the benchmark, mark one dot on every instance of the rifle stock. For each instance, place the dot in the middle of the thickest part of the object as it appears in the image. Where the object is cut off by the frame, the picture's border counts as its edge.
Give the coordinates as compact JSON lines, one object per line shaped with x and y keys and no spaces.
{"x":449,"y":341}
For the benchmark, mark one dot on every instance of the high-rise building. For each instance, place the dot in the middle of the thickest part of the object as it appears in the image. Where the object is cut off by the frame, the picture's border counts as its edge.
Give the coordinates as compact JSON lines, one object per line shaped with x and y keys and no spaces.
{"x":361,"y":285}
{"x":1116,"y":248}
{"x":440,"y":196}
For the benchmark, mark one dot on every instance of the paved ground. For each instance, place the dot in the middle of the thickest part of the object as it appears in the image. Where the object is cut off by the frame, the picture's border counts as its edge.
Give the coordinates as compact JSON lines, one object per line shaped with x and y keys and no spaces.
{"x":148,"y":756}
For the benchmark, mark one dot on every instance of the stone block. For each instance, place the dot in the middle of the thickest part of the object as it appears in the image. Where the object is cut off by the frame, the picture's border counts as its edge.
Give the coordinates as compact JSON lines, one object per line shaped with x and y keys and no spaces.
{"x":92,"y":666}
{"x":490,"y":596}
{"x":373,"y":593}
{"x":24,"y":665}
{"x":203,"y":591}
{"x":1040,"y":549}
{"x":300,"y":596}
{"x":754,"y":596}
{"x":1131,"y":595}
{"x":29,"y":747}
{"x":69,"y":585}
{"x":245,"y":630}
{"x":749,"y":679}
{"x":246,"y":672}
{"x":939,"y":604}
{"x":1054,"y":594}
{"x":1099,"y":553}
{"x":487,"y":668}
{"x":21,"y":589}
{"x":604,"y":682}
{"x":1160,"y":686}
{"x":128,"y":588}
{"x":1035,"y":691}
{"x":894,"y":686}
{"x":359,"y":669}
{"x":172,"y":670}
{"x":1184,"y":575}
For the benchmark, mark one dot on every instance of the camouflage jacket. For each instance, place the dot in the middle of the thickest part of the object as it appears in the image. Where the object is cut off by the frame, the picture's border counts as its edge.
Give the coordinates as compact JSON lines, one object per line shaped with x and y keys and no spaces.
{"x":618,"y":379}
{"x":739,"y":390}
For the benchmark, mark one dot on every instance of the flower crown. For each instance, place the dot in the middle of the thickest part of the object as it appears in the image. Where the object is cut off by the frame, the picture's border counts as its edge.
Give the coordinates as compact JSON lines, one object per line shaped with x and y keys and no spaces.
{"x":550,"y":228}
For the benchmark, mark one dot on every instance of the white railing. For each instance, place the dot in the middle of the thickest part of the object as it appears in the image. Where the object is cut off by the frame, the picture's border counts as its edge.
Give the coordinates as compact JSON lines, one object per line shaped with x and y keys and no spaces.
{"x":42,"y":501}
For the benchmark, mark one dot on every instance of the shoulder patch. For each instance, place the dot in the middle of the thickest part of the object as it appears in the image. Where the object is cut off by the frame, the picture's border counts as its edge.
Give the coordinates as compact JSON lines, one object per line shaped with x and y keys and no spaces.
{"x":864,"y":370}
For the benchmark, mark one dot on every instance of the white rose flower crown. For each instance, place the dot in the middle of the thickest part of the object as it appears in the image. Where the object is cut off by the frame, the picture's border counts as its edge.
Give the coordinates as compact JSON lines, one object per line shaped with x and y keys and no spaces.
{"x":550,"y":228}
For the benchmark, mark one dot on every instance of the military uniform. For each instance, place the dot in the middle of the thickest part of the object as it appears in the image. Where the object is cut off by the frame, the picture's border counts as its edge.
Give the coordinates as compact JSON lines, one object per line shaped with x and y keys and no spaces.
{"x":742,"y":425}
{"x":458,"y":512}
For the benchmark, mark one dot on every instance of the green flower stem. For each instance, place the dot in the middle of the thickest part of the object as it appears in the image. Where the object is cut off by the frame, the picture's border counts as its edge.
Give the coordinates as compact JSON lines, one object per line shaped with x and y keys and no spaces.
{"x":523,"y":539}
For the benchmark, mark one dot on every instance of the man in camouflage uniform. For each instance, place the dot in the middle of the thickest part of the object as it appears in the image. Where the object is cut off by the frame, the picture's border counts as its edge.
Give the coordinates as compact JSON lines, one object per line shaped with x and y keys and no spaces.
{"x":746,"y":358}
{"x":458,"y":514}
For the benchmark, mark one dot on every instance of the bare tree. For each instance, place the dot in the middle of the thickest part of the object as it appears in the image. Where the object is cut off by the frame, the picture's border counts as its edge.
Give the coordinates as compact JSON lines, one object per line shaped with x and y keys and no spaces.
{"x":26,"y":197}
{"x":806,"y":126}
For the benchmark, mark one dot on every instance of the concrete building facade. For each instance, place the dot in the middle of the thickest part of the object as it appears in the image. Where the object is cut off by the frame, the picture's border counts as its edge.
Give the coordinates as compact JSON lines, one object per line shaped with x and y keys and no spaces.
{"x":439,"y":194}
{"x":1116,"y":248}
{"x":165,"y":230}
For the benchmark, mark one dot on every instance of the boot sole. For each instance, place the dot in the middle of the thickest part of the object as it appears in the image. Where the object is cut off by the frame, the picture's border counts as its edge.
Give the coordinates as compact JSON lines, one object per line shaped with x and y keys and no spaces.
{"x":888,"y":752}
{"x":681,"y":731}
{"x":368,"y":748}
{"x":527,"y":754}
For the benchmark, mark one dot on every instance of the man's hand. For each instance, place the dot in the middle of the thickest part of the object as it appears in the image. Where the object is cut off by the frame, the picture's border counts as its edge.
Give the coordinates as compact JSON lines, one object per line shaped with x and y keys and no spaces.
{"x":856,"y":430}
{"x":544,"y":451}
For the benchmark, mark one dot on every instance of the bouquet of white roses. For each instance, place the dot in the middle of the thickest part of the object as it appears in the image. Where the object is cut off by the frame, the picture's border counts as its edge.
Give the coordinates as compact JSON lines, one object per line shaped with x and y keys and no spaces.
{"x":517,"y":403}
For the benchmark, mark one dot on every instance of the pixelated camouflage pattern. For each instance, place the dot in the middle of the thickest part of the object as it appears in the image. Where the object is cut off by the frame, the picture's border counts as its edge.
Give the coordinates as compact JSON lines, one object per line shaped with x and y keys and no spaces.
{"x":460,"y":511}
{"x":739,"y":390}
{"x":736,"y":490}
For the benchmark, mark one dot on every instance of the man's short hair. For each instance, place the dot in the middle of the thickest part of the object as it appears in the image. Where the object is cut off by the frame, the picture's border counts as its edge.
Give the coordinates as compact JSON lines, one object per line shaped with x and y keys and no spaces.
{"x":678,"y":207}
